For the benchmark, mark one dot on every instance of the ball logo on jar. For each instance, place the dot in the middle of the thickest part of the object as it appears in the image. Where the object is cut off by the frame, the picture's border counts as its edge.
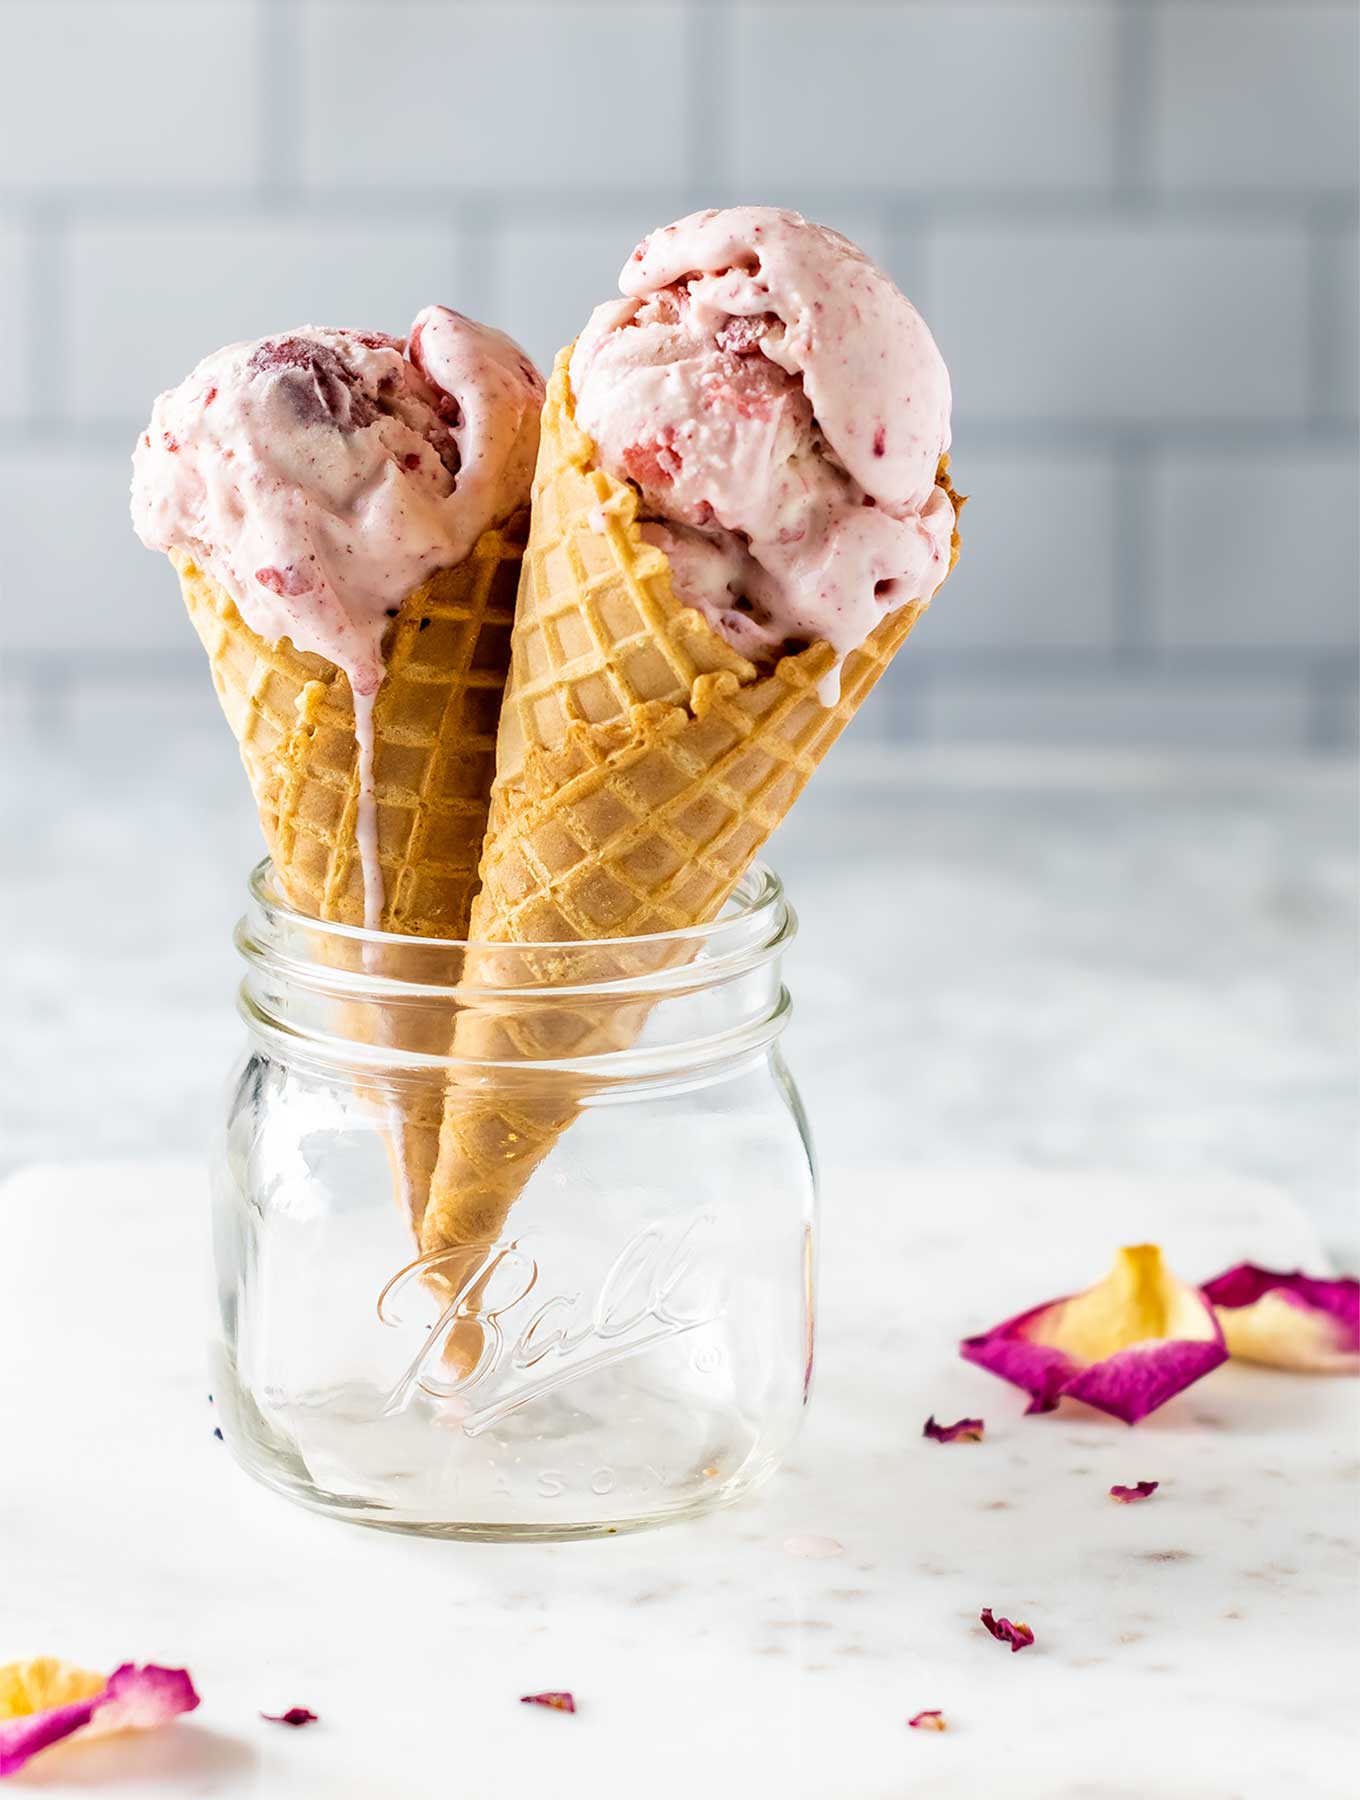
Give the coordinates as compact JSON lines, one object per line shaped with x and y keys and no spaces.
{"x":498,"y":1342}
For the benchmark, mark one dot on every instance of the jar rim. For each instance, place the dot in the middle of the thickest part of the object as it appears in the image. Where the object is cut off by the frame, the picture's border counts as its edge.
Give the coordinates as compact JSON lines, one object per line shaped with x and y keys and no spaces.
{"x":346,"y":994}
{"x":758,"y":896}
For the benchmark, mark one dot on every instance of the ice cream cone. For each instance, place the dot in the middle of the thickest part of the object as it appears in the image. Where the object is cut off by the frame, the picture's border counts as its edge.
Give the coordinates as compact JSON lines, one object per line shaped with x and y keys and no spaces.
{"x":641,"y":764}
{"x":435,"y":723}
{"x":435,"y":730}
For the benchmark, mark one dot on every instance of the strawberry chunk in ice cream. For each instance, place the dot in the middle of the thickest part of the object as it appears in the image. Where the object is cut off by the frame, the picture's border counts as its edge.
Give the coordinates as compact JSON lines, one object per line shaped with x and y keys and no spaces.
{"x":319,"y":476}
{"x":782,"y":410}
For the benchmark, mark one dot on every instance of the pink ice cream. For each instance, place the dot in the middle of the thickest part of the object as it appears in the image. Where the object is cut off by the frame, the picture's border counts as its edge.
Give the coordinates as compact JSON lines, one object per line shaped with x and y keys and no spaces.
{"x":319,"y":476}
{"x":782,"y":410}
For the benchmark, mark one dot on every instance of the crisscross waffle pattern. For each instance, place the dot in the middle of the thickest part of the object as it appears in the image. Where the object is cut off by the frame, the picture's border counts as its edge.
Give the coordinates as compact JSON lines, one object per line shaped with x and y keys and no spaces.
{"x":641,"y":765}
{"x":435,"y":726}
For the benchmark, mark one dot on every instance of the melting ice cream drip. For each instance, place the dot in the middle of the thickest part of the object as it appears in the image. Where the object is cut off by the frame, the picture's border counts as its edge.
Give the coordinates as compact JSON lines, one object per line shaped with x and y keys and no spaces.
{"x":321,"y":476}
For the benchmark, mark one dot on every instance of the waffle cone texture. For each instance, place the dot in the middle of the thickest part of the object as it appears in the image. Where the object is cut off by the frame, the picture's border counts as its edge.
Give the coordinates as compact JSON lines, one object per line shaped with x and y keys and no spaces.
{"x":641,"y":765}
{"x":435,"y":722}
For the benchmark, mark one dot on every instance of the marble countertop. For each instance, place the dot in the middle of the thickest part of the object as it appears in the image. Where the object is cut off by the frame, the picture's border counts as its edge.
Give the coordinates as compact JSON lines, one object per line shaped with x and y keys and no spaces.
{"x":1199,"y":1645}
{"x":1012,"y":972}
{"x":1032,"y":961}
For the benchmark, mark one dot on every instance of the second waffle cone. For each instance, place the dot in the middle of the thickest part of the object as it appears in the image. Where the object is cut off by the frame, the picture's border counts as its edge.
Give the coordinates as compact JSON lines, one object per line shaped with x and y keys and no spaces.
{"x":641,"y":764}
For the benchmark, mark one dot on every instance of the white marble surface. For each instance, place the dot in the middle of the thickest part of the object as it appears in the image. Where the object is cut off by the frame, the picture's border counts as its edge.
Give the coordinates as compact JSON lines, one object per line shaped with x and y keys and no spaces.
{"x":1200,"y":1646}
{"x":1050,"y":962}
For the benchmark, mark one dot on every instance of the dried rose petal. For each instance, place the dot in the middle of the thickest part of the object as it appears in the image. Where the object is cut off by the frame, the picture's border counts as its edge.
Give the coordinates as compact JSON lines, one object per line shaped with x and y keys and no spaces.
{"x":559,"y":1700}
{"x":1288,"y":1321}
{"x":45,"y":1700}
{"x":296,"y":1715}
{"x":1141,"y":1490}
{"x":928,"y":1721}
{"x":1018,"y":1636}
{"x":965,"y":1431}
{"x":1126,"y":1345}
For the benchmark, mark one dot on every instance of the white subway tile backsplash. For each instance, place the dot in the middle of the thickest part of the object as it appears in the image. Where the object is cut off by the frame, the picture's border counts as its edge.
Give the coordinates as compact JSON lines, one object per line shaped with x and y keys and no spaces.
{"x":13,"y":321}
{"x":1255,"y":550}
{"x":926,"y":96}
{"x":71,"y":557}
{"x":1138,"y":321}
{"x":146,"y":302}
{"x":98,"y":93}
{"x":1339,"y":323}
{"x":1037,"y":565}
{"x":1253,"y":96}
{"x":504,"y":96}
{"x":1127,"y":222}
{"x":1151,"y":711}
{"x":548,"y":278}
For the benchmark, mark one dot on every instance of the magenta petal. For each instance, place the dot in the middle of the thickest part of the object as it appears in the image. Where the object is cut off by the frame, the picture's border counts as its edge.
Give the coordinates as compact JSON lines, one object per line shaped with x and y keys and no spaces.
{"x":1126,"y":1345}
{"x":1288,"y":1320}
{"x":1141,"y":1490}
{"x":24,"y":1737}
{"x":1132,"y":1383}
{"x":1017,"y":1635}
{"x":137,"y":1699}
{"x":1040,"y":1369}
{"x":963,"y":1431}
{"x":559,"y":1699}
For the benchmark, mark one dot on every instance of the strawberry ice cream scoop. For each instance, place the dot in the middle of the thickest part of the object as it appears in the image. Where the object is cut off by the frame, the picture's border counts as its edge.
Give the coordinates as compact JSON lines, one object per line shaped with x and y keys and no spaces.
{"x":320,"y":475}
{"x":782,"y":410}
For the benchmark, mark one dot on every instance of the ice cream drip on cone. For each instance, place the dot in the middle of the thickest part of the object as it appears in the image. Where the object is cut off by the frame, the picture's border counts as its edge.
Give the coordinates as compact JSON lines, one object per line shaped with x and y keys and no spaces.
{"x":347,"y":512}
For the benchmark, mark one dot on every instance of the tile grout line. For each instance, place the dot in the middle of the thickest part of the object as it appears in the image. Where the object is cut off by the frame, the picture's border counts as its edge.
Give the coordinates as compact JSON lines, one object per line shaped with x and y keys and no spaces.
{"x":980,"y":205}
{"x":1331,"y":685}
{"x":707,"y":150}
{"x":476,"y":263}
{"x":1131,"y":637}
{"x":1131,"y":114}
{"x":45,"y":393}
{"x":278,"y":58}
{"x":1323,"y":358}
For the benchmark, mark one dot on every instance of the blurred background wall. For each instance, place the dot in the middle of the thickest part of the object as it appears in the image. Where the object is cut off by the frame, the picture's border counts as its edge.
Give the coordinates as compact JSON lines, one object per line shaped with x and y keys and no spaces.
{"x":1131,"y":223}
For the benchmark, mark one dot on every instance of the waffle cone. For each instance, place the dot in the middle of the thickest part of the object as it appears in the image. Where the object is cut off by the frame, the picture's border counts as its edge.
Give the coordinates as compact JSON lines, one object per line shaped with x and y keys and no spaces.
{"x":641,"y":765}
{"x":435,"y":721}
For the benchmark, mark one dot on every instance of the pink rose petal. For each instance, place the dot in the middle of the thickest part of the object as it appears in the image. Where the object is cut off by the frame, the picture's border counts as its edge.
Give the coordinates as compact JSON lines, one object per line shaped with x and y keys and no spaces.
{"x":1288,"y":1321}
{"x":132,"y":1699}
{"x":559,"y":1699}
{"x":1018,"y":1636}
{"x":1141,"y":1490}
{"x":1125,"y":1346}
{"x":928,"y":1721}
{"x":296,"y":1715}
{"x":965,"y":1431}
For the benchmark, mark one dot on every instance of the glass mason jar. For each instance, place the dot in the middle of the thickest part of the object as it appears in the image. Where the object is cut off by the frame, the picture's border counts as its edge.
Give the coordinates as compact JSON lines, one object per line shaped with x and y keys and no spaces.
{"x":622,"y":1333}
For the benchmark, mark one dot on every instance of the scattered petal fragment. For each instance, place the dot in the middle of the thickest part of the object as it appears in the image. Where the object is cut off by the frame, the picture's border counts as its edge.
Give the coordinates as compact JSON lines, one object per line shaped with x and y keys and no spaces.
{"x":296,"y":1715}
{"x":1125,"y":1346}
{"x":45,"y":1700}
{"x":929,"y":1721}
{"x":963,"y":1431}
{"x":559,"y":1700}
{"x":1288,"y":1321}
{"x":1018,"y":1636}
{"x":1141,"y":1490}
{"x":813,"y":1546}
